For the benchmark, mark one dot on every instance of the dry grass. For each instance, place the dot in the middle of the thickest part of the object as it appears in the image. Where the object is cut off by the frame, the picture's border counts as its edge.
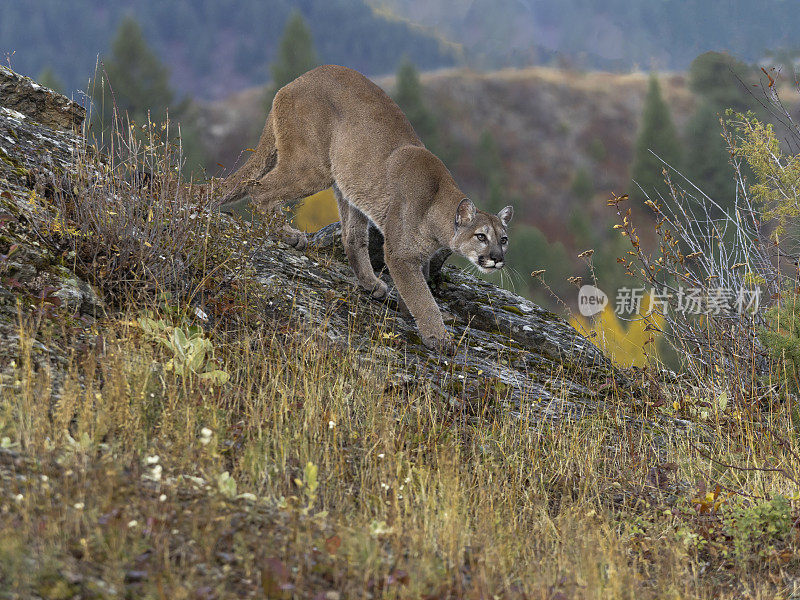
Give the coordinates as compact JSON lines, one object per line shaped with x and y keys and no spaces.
{"x":412,"y":499}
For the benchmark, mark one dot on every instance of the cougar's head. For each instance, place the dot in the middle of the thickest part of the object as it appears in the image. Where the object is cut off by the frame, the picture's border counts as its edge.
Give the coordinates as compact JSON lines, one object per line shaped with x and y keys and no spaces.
{"x":480,"y":237}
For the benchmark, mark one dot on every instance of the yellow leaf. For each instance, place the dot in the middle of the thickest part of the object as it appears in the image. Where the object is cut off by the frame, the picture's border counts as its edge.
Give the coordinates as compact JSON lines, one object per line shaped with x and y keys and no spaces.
{"x":317,"y":211}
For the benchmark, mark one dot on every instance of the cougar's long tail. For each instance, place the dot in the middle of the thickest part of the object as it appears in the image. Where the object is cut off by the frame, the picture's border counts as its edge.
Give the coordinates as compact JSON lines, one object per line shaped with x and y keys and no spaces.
{"x":261,"y":161}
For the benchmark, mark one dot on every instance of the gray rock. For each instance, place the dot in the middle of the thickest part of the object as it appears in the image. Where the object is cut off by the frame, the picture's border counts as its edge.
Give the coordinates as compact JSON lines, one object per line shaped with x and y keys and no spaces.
{"x":36,"y":102}
{"x":511,"y":352}
{"x":38,"y":144}
{"x":329,"y":239}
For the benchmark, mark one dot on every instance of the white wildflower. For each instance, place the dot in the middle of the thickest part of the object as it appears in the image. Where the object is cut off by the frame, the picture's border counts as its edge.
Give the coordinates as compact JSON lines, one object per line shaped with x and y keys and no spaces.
{"x":154,"y":474}
{"x":205,"y":436}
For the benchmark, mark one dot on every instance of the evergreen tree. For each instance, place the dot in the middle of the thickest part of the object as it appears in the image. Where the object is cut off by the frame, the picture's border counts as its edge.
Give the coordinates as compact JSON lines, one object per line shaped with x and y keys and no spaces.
{"x":296,"y":55}
{"x":532,"y":252}
{"x":137,"y":80}
{"x":714,"y":78}
{"x":708,"y":160}
{"x":582,"y":186}
{"x":408,"y":95}
{"x":137,"y":83}
{"x":657,"y":134}
{"x":48,"y":79}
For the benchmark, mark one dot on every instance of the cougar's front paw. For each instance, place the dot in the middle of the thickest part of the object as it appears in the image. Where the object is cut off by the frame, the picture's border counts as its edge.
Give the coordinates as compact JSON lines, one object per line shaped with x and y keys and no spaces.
{"x":380,"y":290}
{"x":444,"y":344}
{"x":294,"y":237}
{"x":300,"y":241}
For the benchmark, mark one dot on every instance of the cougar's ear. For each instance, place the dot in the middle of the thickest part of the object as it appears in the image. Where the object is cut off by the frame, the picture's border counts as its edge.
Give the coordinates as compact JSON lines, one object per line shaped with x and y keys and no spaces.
{"x":505,"y":215}
{"x":465,"y":212}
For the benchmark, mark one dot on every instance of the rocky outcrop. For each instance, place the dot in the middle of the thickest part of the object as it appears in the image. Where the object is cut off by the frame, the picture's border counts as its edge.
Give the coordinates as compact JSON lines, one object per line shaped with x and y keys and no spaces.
{"x":37,"y":147}
{"x":510,"y":351}
{"x":26,"y":97}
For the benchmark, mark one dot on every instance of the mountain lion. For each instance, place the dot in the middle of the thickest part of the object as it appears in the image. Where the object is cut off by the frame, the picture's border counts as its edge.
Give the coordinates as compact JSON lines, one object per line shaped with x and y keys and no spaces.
{"x":333,"y":127}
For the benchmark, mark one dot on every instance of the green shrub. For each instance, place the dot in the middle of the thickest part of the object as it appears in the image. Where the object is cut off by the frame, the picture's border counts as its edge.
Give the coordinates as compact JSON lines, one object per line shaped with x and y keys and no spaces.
{"x":781,"y":338}
{"x":191,"y":352}
{"x":755,"y":529}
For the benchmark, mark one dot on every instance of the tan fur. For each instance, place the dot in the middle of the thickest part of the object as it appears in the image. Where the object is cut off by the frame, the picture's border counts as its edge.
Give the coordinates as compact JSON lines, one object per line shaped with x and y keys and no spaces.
{"x":334,"y":127}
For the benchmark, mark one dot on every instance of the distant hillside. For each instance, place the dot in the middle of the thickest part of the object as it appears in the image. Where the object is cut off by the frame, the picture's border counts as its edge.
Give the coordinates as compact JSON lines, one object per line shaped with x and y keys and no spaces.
{"x":547,"y":124}
{"x":211,"y":47}
{"x":615,"y":33}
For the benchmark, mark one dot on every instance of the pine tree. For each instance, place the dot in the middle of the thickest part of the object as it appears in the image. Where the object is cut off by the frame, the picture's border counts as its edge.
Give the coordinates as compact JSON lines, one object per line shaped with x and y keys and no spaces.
{"x":296,"y":55}
{"x":532,"y":252}
{"x":582,"y":186}
{"x":408,"y":95}
{"x":708,"y":164}
{"x":138,"y":80}
{"x":658,"y":135}
{"x":714,"y":78}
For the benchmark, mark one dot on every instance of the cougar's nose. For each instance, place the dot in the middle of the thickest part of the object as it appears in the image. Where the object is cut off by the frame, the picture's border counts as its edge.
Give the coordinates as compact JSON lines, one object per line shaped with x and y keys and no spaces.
{"x":498,"y":258}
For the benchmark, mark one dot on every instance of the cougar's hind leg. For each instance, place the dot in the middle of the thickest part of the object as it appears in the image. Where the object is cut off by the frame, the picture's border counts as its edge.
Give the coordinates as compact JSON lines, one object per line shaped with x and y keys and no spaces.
{"x":355,"y":236}
{"x":287,"y":182}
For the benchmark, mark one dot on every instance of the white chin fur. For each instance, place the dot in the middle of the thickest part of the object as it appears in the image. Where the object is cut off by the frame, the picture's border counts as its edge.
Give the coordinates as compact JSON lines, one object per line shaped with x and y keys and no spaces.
{"x":485,"y":270}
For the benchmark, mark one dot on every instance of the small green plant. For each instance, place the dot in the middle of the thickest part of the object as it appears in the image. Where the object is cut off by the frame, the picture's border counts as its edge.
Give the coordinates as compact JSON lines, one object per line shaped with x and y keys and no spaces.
{"x":227,"y":485}
{"x":192,"y":352}
{"x":777,"y":174}
{"x":309,"y":483}
{"x":755,"y":529}
{"x":781,"y":338}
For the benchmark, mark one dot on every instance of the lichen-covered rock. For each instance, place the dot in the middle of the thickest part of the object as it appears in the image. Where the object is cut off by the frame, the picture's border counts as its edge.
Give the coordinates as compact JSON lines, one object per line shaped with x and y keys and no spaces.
{"x":26,"y":97}
{"x":509,"y":349}
{"x":38,"y":148}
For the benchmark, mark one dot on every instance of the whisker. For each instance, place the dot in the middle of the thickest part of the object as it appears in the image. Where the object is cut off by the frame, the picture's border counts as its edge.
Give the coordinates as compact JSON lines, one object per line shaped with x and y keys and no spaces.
{"x":517,"y":276}
{"x":512,"y":281}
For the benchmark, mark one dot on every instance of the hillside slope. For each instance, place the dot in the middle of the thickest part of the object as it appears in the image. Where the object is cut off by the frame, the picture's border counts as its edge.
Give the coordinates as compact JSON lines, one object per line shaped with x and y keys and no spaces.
{"x":617,"y":34}
{"x":134,"y":432}
{"x":488,"y":320}
{"x":547,"y":124}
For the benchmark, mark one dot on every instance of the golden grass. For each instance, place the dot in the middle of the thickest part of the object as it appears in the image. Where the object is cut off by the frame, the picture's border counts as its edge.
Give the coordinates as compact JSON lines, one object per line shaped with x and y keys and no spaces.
{"x":412,"y":498}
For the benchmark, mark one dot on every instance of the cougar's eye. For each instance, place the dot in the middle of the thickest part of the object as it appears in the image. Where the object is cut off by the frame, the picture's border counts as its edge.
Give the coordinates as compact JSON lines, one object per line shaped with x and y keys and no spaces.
{"x":481,"y":237}
{"x":504,"y":240}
